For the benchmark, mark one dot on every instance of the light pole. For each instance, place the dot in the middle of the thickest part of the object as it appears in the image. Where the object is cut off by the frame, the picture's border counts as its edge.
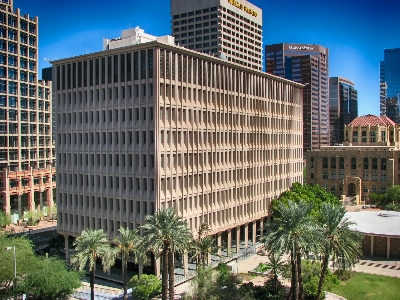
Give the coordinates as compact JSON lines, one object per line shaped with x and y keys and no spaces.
{"x":15,"y":266}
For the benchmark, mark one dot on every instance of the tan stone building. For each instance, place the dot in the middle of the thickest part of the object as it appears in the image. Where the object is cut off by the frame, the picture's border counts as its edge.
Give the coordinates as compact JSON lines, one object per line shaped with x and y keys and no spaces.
{"x":27,"y":177}
{"x":153,"y":125}
{"x":367,"y":161}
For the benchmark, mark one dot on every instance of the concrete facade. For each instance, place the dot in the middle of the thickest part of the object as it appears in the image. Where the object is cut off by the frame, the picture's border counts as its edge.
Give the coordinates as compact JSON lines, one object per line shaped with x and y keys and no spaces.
{"x":152,"y":126}
{"x":223,"y":28}
{"x":27,"y":175}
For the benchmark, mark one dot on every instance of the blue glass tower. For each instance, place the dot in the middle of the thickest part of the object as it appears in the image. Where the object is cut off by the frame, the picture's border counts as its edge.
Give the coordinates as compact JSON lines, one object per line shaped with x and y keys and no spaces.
{"x":390,"y":84}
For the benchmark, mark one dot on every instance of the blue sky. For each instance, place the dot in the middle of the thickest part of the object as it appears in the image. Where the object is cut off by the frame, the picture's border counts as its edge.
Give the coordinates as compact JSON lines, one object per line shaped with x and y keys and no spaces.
{"x":355,"y":31}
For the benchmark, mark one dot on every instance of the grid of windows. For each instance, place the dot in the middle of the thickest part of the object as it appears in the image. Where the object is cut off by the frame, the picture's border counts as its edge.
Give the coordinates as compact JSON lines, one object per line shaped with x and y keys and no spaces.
{"x":171,"y":140}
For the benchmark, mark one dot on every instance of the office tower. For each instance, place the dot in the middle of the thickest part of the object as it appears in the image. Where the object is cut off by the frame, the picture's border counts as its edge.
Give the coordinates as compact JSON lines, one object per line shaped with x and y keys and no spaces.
{"x":26,"y":149}
{"x":307,"y":64}
{"x":225,"y":28}
{"x":390,"y":84}
{"x":152,"y":125}
{"x":343,"y":106}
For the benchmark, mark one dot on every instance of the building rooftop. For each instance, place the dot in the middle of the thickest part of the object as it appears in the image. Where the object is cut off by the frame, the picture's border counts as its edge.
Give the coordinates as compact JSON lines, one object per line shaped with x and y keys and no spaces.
{"x":372,"y":120}
{"x":376,"y":222}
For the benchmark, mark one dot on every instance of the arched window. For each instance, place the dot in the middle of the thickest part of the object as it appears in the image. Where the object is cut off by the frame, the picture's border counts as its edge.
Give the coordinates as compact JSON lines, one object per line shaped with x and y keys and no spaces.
{"x":353,"y":163}
{"x":383,"y":164}
{"x":341,"y":163}
{"x":375,"y":163}
{"x":366,"y":165}
{"x":325,"y":162}
{"x":333,"y":163}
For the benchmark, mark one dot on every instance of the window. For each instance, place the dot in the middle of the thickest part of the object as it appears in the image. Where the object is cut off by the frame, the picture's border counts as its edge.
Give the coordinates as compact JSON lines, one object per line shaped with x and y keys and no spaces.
{"x":366,"y":175}
{"x":355,"y":136}
{"x":375,"y":163}
{"x":341,"y":163}
{"x":333,"y":163}
{"x":333,"y":187}
{"x":364,"y":136}
{"x":383,"y":177}
{"x":383,"y":164}
{"x":324,"y":174}
{"x":325,"y":163}
{"x":366,"y":165}
{"x":372,"y":135}
{"x":312,"y":160}
{"x":353,"y":163}
{"x":383,"y":189}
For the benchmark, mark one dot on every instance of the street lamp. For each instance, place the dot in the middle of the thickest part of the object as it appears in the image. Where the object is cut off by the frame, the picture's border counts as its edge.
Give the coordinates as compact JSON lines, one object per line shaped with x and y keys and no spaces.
{"x":15,"y":265}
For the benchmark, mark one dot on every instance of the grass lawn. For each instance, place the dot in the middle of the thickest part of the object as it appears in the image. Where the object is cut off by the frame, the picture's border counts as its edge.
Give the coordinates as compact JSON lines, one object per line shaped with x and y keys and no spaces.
{"x":369,"y":286}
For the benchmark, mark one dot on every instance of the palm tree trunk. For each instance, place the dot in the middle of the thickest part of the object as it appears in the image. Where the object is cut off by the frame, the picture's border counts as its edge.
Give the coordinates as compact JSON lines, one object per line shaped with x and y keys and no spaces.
{"x":164,"y":290}
{"x":300,"y":277}
{"x":293,"y":289}
{"x":92,"y":284}
{"x":171,"y":272}
{"x":324,"y":270}
{"x":124,"y":275}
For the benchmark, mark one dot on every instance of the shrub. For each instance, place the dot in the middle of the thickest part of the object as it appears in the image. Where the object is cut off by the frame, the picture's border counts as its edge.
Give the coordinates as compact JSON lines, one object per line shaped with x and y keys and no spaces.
{"x":392,"y":206}
{"x":5,"y":219}
{"x":145,"y":286}
{"x":344,"y":275}
{"x":311,"y":271}
{"x":262,"y":268}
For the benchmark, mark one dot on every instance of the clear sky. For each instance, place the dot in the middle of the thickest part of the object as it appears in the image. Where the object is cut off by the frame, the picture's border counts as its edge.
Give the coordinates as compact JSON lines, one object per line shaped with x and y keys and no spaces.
{"x":355,"y":31}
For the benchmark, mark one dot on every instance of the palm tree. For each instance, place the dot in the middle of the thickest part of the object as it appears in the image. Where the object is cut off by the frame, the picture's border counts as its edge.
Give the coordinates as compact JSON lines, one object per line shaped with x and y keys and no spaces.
{"x":292,"y":232}
{"x":338,"y":240}
{"x":89,"y":246}
{"x":127,"y":246}
{"x":167,"y":232}
{"x":202,"y":246}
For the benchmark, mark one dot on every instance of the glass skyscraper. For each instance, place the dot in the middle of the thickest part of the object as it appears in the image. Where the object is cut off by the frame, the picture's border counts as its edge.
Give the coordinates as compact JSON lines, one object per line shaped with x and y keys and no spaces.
{"x":343,"y":107}
{"x":390,"y":84}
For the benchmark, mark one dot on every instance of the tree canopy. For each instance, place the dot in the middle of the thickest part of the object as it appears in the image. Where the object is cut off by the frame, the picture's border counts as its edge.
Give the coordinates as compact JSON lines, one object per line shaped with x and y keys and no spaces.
{"x":313,"y":194}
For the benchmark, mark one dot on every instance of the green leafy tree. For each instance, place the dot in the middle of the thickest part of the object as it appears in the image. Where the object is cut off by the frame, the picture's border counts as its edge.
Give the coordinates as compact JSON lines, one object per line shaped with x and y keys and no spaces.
{"x":89,"y":246}
{"x":313,"y":194}
{"x":33,"y":217}
{"x":145,"y":287}
{"x":127,"y":245}
{"x":202,"y":246}
{"x":25,"y":257}
{"x":48,"y":278}
{"x":393,"y":194}
{"x":292,"y":232}
{"x":203,"y":285}
{"x":337,"y":240}
{"x":5,"y":219}
{"x":166,"y":232}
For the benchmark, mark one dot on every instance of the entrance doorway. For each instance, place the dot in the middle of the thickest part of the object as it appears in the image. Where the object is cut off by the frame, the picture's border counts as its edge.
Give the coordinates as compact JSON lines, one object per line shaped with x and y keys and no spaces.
{"x":352,"y":189}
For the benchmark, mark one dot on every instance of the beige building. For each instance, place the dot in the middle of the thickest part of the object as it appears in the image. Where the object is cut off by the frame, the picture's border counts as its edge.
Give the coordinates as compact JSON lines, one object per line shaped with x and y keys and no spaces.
{"x":367,"y":161}
{"x":228,"y":29}
{"x":26,"y":148}
{"x":153,"y":125}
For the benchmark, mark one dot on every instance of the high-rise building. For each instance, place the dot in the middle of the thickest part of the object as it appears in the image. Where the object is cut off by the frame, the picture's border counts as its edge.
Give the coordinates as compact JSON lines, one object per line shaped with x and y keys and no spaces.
{"x":307,"y":64}
{"x":390,"y":84}
{"x":26,"y":148}
{"x":343,"y":107}
{"x":225,"y":28}
{"x":152,"y":125}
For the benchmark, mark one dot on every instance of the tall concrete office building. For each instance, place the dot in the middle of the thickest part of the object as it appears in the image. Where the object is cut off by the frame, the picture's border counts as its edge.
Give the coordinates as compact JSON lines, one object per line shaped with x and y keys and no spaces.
{"x":343,"y":107}
{"x":26,"y":148}
{"x":224,"y":28}
{"x":390,"y":84}
{"x":307,"y":64}
{"x":153,"y":125}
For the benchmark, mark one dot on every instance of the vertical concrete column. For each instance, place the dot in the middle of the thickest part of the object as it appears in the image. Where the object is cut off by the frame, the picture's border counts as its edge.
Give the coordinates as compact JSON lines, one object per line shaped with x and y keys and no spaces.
{"x":41,"y":200}
{"x":229,"y":241}
{"x":237,"y":239}
{"x":31,"y":194}
{"x":253,"y":239}
{"x":209,"y":259}
{"x":66,"y":245}
{"x":157,"y":264}
{"x":388,"y":247}
{"x":246,"y":235}
{"x":20,"y":207}
{"x":6,"y":193}
{"x":261,"y":227}
{"x":219,"y":243}
{"x":185,"y":263}
{"x":140,"y":269}
{"x":372,"y":246}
